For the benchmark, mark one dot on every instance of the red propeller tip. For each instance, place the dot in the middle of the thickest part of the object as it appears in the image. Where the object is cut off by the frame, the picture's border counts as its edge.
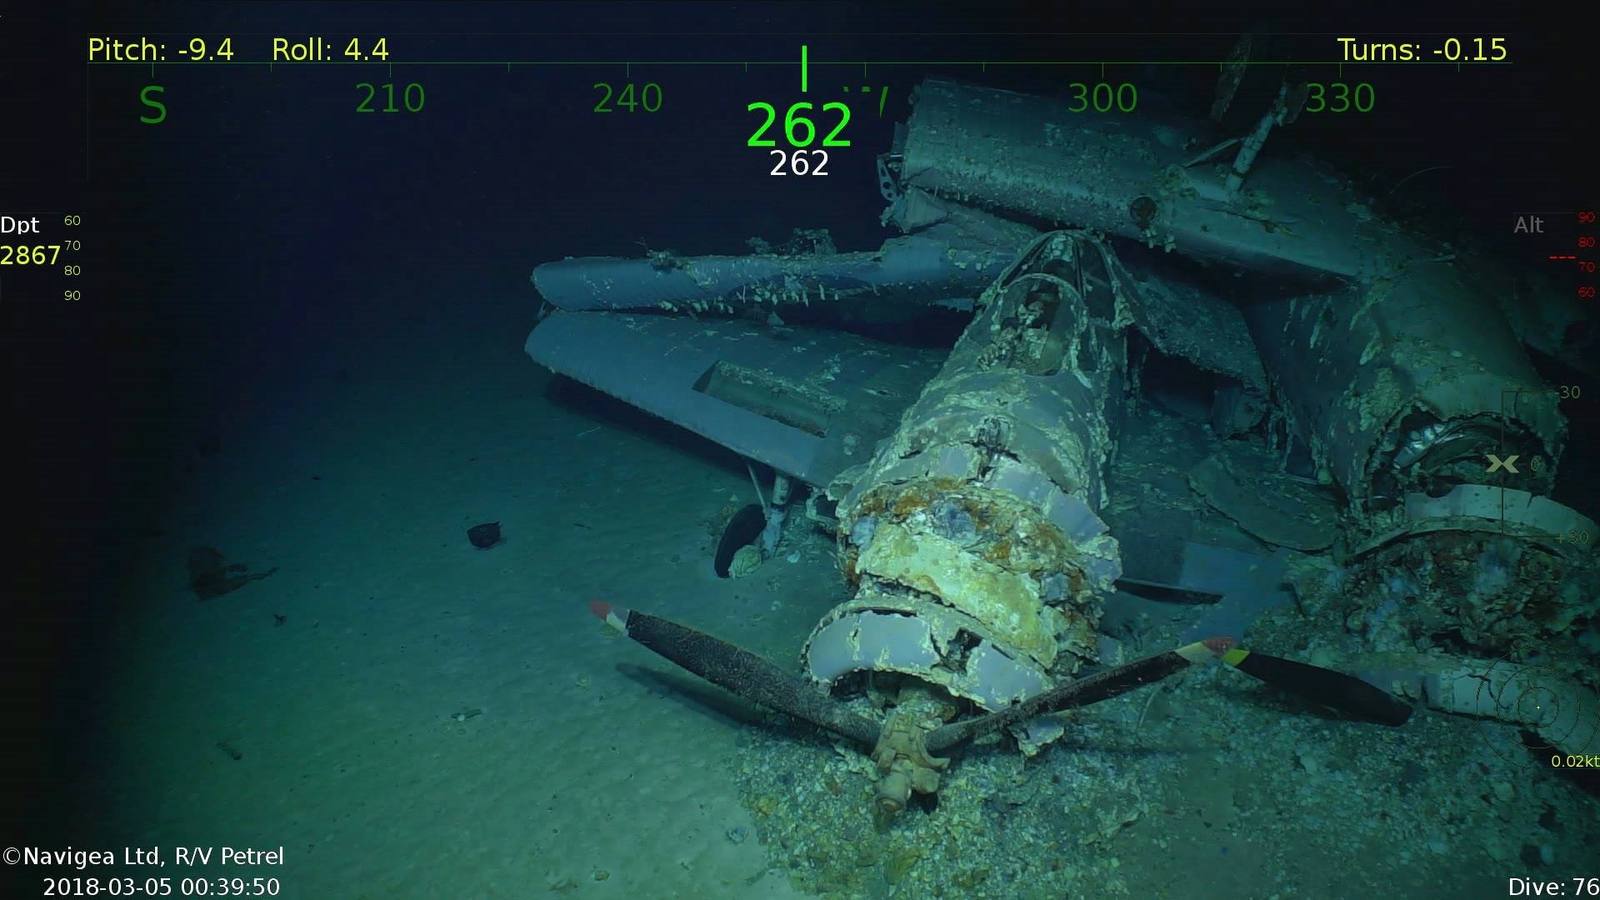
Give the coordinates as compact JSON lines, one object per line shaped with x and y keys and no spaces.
{"x":600,"y":608}
{"x":1219,"y":645}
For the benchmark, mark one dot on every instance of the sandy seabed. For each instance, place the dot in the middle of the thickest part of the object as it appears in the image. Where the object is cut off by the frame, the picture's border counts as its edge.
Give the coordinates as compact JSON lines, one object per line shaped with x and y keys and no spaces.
{"x":415,"y":717}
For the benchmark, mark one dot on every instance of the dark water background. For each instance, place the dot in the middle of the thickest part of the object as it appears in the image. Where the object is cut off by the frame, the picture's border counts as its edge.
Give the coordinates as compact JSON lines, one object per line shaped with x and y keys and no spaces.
{"x":268,"y":238}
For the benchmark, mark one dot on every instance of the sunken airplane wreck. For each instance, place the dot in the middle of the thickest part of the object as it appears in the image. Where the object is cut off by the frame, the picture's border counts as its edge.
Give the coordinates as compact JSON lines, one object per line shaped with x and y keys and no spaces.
{"x":992,"y":518}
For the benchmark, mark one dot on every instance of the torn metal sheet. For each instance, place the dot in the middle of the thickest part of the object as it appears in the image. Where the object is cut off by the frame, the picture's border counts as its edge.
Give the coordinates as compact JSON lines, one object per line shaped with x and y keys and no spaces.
{"x":1242,"y":483}
{"x":807,"y":402}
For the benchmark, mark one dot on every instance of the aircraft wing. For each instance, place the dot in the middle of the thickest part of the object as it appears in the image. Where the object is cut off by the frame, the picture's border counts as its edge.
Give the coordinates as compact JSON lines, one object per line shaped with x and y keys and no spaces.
{"x":808,"y":402}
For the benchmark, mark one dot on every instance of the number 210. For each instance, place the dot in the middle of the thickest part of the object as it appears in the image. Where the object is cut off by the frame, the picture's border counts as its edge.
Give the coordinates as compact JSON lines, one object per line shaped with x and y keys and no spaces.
{"x":412,"y":97}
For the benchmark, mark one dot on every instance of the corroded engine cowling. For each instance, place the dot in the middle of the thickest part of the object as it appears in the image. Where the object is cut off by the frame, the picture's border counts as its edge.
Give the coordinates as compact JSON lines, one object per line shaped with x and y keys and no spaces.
{"x":1484,"y":570}
{"x":972,"y":535}
{"x":1409,"y":383}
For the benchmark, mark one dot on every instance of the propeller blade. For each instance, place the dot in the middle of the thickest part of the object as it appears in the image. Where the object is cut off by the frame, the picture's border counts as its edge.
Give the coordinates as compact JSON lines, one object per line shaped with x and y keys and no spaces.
{"x":1327,"y":687}
{"x":738,"y":670}
{"x":1091,"y":689}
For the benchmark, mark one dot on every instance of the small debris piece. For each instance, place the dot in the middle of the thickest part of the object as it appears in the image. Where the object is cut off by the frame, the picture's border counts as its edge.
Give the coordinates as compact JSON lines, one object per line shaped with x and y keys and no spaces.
{"x":211,"y":575}
{"x":484,"y":536}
